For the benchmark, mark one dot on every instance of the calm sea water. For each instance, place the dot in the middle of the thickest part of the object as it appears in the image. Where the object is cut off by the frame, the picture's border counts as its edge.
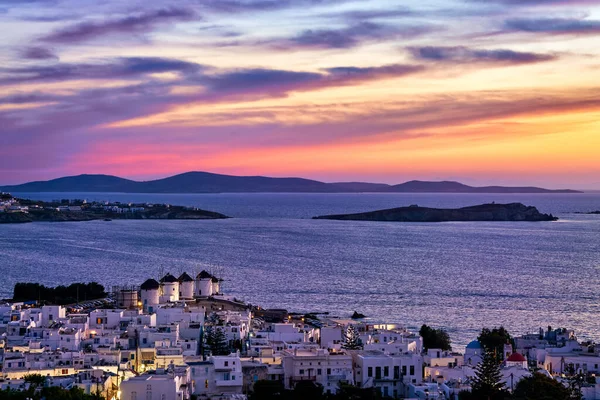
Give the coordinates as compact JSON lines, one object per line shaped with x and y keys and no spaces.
{"x":460,"y":276}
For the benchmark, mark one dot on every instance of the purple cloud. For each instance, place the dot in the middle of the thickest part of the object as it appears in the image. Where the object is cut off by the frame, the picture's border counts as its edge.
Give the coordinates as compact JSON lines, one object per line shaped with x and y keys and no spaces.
{"x":278,"y":82}
{"x":122,"y":68}
{"x":133,"y":24}
{"x":263,"y":79}
{"x":460,"y":54}
{"x":554,"y":26}
{"x":239,"y":6}
{"x":542,"y":2}
{"x":38,"y":53}
{"x":349,"y":37}
{"x":348,"y":75}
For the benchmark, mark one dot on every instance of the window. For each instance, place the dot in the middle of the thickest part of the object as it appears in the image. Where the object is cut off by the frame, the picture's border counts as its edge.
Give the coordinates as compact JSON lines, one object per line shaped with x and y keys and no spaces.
{"x":64,"y":371}
{"x":396,"y":372}
{"x":319,"y":371}
{"x":404,"y":370}
{"x":133,"y":395}
{"x":370,"y":372}
{"x":328,"y":371}
{"x":301,"y":372}
{"x":226,"y":363}
{"x":412,"y":370}
{"x":386,"y":371}
{"x":377,"y":372}
{"x":386,"y":391}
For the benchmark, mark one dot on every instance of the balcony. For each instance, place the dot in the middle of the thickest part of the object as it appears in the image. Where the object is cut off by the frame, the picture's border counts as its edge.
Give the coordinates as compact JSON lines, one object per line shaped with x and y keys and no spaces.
{"x":229,"y":383}
{"x":387,"y":379}
{"x":336,"y":378}
{"x":222,"y":368}
{"x":303,"y":378}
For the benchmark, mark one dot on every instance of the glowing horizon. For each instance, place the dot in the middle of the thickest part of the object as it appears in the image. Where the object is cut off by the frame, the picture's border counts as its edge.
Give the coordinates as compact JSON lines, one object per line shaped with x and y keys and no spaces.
{"x":486,"y":93}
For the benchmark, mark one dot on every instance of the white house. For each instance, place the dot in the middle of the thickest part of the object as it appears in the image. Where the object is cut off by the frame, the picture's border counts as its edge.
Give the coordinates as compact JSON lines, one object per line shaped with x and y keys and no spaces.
{"x":316,"y":365}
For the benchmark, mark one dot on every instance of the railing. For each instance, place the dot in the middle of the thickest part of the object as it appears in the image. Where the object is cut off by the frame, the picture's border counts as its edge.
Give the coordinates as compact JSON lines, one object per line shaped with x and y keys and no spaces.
{"x":220,"y":382}
{"x":387,"y":379}
{"x":303,"y":378}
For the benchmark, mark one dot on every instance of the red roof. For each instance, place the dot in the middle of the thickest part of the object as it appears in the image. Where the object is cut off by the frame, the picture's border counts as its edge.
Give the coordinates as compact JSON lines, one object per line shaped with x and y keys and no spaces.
{"x":516,"y":357}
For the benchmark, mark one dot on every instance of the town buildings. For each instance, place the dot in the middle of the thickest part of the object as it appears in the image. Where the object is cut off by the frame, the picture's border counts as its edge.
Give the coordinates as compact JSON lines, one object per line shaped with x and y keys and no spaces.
{"x":180,"y":336}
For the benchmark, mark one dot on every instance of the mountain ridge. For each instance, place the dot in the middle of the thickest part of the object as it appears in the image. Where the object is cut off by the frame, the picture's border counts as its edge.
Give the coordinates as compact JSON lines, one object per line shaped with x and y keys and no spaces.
{"x":206,"y":182}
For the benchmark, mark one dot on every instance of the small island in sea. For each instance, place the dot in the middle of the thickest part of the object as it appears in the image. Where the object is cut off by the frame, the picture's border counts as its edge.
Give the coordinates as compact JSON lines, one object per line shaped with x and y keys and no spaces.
{"x":14,"y":210}
{"x":483,"y":212}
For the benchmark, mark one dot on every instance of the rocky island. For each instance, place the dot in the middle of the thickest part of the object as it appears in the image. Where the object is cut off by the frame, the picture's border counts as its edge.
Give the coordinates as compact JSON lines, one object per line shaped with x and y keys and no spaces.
{"x":14,"y":210}
{"x":484,"y":212}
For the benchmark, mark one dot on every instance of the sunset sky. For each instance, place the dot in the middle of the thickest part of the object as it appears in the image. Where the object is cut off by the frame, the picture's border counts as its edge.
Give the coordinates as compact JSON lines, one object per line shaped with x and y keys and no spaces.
{"x":480,"y":91}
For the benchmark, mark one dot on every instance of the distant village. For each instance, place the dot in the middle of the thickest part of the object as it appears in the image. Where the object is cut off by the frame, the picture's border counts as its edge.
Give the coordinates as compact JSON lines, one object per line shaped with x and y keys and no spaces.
{"x":15,"y":210}
{"x":10,"y":204}
{"x":181,"y":337}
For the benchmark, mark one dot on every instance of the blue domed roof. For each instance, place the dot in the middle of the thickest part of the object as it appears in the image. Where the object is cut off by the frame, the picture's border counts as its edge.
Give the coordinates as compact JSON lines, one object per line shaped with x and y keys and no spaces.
{"x":474,"y":345}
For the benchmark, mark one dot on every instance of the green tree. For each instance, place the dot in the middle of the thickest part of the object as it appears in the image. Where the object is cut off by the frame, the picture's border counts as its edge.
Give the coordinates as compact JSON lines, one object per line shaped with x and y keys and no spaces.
{"x":351,"y":338}
{"x":35,"y":379}
{"x":494,"y":340}
{"x":217,"y":341}
{"x":307,"y":390}
{"x":351,"y":392}
{"x":435,"y":338}
{"x":575,"y":380}
{"x":268,"y":390}
{"x":541,"y":387}
{"x":487,"y":383}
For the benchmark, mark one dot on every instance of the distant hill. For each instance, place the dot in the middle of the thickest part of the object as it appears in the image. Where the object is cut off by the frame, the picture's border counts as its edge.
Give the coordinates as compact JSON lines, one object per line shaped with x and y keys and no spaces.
{"x":483,"y":212}
{"x":205,"y":182}
{"x":456,"y":187}
{"x":79,"y":183}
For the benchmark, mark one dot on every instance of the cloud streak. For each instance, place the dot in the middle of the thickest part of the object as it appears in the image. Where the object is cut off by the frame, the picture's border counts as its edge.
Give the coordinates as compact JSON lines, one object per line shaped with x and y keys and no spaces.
{"x":554,"y":26}
{"x":38,"y":53}
{"x":121,"y":68}
{"x":132,"y":24}
{"x":348,"y":37}
{"x":465,"y":55}
{"x":241,"y":6}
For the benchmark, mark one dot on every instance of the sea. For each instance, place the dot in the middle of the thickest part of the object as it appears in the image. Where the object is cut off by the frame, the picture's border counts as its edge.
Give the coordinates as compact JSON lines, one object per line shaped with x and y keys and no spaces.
{"x":460,"y":276}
